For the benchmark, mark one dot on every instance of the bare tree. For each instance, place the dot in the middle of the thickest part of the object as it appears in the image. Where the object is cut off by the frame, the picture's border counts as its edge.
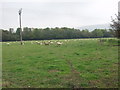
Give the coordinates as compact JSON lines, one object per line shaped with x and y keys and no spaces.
{"x":20,"y":11}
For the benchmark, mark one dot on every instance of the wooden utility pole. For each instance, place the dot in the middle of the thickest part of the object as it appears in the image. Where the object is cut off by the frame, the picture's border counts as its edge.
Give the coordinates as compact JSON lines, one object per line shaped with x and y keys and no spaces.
{"x":119,"y":19}
{"x":119,"y":12}
{"x":20,"y":11}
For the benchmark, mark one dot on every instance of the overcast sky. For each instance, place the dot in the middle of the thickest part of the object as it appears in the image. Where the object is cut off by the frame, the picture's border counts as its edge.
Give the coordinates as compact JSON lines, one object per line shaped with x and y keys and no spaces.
{"x":57,"y":13}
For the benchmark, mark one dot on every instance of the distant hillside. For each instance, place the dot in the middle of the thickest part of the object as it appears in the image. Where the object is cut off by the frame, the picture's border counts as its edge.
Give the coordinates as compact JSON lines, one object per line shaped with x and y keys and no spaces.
{"x":99,"y":26}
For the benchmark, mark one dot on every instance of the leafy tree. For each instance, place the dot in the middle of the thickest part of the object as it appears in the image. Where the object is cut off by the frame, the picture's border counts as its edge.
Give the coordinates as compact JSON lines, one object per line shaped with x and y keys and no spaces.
{"x":85,"y":33}
{"x":5,"y":35}
{"x":27,"y":33}
{"x":18,"y":31}
{"x":97,"y":33}
{"x":11,"y":30}
{"x":116,"y":25}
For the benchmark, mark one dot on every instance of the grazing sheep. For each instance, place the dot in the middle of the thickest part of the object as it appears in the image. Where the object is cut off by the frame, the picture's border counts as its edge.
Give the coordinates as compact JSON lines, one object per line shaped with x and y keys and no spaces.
{"x":59,"y":43}
{"x":8,"y":44}
{"x":51,"y":42}
{"x":47,"y":43}
{"x":38,"y":43}
{"x":23,"y":43}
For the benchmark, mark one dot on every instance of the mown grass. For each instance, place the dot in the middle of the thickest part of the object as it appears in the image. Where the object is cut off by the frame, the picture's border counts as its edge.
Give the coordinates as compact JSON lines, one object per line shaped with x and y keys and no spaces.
{"x":75,"y":64}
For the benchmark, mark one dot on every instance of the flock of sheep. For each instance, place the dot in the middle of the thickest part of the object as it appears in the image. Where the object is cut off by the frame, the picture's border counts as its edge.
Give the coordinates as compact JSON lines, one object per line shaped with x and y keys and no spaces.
{"x":39,"y":42}
{"x":43,"y":42}
{"x":46,"y":42}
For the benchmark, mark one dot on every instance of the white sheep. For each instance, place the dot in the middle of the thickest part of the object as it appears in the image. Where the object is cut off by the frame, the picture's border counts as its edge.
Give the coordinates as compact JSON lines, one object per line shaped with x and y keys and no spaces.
{"x":51,"y":42}
{"x":23,"y":43}
{"x":46,"y":43}
{"x":38,"y":43}
{"x":59,"y":43}
{"x":8,"y":44}
{"x":41,"y":43}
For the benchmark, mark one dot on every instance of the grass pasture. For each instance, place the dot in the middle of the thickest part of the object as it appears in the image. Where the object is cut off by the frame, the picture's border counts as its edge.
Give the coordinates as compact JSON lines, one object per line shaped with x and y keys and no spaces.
{"x":78,"y":63}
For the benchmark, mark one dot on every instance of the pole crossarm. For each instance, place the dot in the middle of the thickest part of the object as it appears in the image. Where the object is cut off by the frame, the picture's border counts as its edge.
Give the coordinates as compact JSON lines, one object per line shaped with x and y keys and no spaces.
{"x":20,"y":11}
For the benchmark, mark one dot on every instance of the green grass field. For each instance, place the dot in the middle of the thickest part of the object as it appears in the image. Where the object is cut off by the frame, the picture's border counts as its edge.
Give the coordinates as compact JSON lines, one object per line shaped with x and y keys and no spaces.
{"x":84,"y":63}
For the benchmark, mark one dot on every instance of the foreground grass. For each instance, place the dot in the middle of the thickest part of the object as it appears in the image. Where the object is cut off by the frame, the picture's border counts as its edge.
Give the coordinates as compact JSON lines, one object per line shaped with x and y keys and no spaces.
{"x":75,"y":64}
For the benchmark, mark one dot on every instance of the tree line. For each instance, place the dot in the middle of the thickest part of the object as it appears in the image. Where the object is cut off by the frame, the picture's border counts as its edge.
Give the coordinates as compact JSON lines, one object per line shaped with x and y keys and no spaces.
{"x":54,"y":33}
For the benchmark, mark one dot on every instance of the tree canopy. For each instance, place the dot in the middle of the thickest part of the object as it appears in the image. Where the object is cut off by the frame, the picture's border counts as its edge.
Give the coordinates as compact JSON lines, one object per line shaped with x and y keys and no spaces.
{"x":116,"y":25}
{"x":54,"y":33}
